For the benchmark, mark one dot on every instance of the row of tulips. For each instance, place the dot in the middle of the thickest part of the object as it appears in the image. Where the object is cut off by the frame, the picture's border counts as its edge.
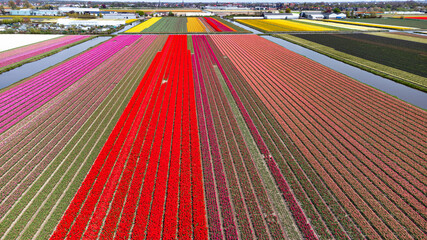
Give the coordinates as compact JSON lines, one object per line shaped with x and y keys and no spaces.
{"x":212,"y":157}
{"x":235,"y":155}
{"x":218,"y":26}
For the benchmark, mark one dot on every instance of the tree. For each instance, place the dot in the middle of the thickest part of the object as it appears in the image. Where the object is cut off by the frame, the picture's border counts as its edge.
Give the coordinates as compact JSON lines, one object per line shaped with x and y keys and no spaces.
{"x":12,"y":4}
{"x":2,"y":10}
{"x":140,"y":13}
{"x":288,"y":10}
{"x":336,"y":10}
{"x":27,"y":4}
{"x":170,"y":14}
{"x":18,"y":2}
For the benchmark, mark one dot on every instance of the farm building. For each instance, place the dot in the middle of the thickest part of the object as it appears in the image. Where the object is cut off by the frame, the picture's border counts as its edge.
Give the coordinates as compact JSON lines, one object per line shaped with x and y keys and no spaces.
{"x":91,"y":22}
{"x":34,"y":12}
{"x":281,"y":16}
{"x":21,"y":12}
{"x":312,"y":15}
{"x":194,"y":14}
{"x":334,"y":16}
{"x":116,"y":15}
{"x":78,"y":10}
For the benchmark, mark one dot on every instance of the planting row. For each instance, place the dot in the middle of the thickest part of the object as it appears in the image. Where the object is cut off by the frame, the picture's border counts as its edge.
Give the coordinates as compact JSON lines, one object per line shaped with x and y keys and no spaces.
{"x":387,"y":51}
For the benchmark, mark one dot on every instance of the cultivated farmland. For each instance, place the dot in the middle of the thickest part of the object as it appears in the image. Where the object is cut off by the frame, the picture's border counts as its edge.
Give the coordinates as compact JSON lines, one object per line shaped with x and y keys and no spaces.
{"x":373,"y":24}
{"x":20,"y":40}
{"x":185,"y":25}
{"x":209,"y":137}
{"x":269,"y":25}
{"x":382,"y":50}
{"x":407,"y":22}
{"x":15,"y":57}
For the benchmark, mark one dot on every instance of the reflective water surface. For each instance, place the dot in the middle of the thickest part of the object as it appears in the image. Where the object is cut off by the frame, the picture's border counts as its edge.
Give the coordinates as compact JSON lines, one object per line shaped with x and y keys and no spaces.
{"x":29,"y":69}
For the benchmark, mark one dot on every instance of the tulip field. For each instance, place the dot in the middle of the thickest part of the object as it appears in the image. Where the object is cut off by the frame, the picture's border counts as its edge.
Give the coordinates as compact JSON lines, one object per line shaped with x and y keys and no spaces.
{"x":280,"y":25}
{"x":386,"y":26}
{"x":20,"y":55}
{"x":185,"y":25}
{"x":221,"y":136}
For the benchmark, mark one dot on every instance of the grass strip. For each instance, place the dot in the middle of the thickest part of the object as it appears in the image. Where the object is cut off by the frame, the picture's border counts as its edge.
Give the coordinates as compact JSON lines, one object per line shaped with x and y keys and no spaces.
{"x":400,"y":37}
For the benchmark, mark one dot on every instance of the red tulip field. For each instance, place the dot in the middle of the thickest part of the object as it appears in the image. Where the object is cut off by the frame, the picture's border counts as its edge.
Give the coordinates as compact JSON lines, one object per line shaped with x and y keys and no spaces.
{"x":207,"y":137}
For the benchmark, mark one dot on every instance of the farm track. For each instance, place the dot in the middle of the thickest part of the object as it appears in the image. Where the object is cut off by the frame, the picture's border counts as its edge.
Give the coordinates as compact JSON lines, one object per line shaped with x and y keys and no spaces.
{"x":392,"y":222}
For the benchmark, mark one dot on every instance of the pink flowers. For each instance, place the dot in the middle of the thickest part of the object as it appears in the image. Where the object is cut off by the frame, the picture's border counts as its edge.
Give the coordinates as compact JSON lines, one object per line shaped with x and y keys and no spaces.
{"x":20,"y":54}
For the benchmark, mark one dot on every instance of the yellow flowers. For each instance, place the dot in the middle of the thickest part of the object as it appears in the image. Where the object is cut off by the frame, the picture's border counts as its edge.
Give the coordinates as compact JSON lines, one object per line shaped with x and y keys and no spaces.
{"x":269,"y":25}
{"x":372,"y":25}
{"x":130,"y":20}
{"x":194,"y":25}
{"x":140,"y":27}
{"x":340,"y":25}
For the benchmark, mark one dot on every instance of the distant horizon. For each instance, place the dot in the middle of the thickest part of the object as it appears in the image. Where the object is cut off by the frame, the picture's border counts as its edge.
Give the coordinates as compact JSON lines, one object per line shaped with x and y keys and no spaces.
{"x":255,"y":1}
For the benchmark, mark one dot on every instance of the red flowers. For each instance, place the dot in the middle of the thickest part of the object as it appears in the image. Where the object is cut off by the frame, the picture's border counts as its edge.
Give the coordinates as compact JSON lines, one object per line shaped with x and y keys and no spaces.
{"x":143,"y":181}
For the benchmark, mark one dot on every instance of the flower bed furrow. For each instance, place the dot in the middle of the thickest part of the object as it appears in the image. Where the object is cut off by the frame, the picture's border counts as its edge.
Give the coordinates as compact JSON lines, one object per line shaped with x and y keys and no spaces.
{"x":252,"y":186}
{"x":212,"y":207}
{"x":235,"y":188}
{"x":227,"y":212}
